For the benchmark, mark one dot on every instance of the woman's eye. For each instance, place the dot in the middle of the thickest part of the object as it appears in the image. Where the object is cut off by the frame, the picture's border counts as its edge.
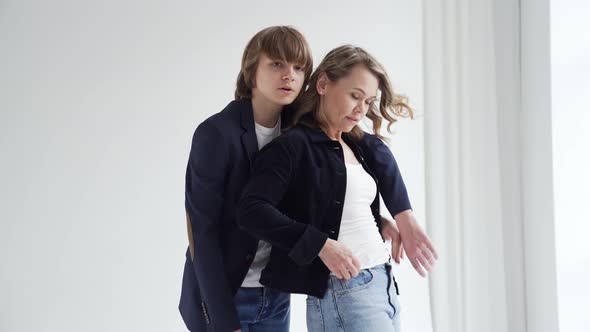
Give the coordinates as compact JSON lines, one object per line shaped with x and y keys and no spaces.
{"x":355,"y":97}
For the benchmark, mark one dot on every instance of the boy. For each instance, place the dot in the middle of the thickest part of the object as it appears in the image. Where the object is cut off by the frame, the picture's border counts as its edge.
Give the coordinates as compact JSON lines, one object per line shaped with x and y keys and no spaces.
{"x":221,"y":289}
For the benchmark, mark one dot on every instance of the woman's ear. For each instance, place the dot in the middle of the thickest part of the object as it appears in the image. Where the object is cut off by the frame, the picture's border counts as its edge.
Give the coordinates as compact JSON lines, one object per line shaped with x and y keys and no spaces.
{"x":322,"y":83}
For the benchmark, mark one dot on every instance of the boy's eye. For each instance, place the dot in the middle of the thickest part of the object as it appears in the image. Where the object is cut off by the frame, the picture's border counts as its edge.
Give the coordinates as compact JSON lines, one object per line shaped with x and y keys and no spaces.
{"x":276,"y":64}
{"x":299,"y":68}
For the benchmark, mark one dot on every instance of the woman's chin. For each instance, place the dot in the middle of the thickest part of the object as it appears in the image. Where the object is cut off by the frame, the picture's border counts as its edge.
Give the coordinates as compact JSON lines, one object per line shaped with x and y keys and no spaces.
{"x":348,"y":129}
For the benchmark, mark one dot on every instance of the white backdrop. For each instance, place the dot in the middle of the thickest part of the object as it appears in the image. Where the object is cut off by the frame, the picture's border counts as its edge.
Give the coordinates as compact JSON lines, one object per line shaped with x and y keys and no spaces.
{"x":98,"y":102}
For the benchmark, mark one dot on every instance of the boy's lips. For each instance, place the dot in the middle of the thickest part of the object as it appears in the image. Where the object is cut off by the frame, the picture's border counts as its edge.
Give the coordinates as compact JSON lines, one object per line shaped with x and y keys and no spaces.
{"x":286,"y":89}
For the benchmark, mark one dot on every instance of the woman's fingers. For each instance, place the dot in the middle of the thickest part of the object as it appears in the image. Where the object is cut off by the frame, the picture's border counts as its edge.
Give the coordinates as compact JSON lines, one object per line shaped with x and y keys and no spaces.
{"x":354,"y":269}
{"x":345,"y":273}
{"x":356,"y":263}
{"x":429,"y":256}
{"x":423,"y":262}
{"x":432,"y":250}
{"x":417,"y":266}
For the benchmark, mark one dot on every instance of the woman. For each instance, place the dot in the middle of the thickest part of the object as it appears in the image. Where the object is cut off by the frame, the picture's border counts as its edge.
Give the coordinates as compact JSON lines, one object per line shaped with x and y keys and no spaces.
{"x":314,"y":195}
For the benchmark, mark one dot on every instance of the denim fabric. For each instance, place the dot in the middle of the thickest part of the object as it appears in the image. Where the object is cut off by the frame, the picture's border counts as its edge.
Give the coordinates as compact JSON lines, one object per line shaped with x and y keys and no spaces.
{"x":263,"y":309}
{"x":366,"y":303}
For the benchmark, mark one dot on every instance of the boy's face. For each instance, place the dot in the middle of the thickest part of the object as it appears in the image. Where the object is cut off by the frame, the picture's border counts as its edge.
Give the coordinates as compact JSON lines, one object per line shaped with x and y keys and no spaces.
{"x":278,"y":82}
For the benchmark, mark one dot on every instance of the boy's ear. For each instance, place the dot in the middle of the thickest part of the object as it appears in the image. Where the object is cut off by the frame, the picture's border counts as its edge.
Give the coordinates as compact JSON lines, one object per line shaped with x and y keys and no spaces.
{"x":322,"y":83}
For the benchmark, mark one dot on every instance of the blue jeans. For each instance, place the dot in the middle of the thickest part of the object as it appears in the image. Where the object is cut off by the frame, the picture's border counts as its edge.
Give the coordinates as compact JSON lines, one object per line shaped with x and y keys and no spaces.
{"x":367,"y":302}
{"x":263,"y":309}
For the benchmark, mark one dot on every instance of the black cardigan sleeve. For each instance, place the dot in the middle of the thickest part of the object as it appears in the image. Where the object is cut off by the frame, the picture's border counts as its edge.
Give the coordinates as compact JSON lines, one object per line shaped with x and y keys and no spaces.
{"x":274,"y":170}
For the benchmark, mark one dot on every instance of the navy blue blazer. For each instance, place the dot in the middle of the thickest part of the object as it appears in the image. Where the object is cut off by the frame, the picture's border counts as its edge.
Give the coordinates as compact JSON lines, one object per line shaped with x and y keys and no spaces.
{"x":222,"y":154}
{"x":294,"y":200}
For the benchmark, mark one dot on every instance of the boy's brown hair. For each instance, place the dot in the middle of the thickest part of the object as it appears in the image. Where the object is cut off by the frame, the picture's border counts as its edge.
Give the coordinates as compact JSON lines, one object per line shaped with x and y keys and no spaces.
{"x":279,"y":43}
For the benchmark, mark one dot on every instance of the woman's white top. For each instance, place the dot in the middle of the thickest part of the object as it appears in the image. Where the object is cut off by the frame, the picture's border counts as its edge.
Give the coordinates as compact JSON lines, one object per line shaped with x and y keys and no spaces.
{"x":358,"y":230}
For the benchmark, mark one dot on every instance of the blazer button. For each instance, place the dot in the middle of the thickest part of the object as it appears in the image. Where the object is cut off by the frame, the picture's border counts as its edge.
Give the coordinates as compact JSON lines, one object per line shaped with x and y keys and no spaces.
{"x":337,"y":202}
{"x":249,"y":258}
{"x":332,"y":232}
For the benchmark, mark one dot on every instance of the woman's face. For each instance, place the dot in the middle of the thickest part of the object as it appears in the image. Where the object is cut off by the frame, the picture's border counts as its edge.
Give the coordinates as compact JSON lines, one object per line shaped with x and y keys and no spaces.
{"x":343,"y":103}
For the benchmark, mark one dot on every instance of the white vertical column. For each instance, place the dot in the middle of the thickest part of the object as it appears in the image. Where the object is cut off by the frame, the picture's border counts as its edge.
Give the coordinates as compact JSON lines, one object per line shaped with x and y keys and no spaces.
{"x":537,"y":169}
{"x":508,"y":101}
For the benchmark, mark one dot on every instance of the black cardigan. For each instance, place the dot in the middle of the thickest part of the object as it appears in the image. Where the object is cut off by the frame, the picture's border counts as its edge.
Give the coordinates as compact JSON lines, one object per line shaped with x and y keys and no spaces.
{"x":295,"y":197}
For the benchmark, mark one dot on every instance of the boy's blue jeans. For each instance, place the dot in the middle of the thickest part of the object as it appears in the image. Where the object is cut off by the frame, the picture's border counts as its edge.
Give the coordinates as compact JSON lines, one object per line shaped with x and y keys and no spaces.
{"x":263,"y":309}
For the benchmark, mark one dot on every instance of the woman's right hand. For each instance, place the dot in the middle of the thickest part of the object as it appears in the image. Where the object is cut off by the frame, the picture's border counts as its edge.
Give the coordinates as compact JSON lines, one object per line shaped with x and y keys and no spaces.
{"x":339,"y":260}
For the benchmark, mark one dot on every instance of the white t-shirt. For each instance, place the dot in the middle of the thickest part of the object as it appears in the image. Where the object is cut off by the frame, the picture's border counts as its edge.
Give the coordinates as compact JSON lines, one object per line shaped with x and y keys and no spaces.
{"x":264,"y":136}
{"x":358,"y":230}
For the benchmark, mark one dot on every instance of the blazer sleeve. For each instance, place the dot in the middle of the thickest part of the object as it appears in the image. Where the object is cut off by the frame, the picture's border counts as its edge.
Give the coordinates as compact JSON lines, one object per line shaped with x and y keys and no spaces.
{"x":204,"y":197}
{"x":258,"y":212}
{"x":391,"y":185}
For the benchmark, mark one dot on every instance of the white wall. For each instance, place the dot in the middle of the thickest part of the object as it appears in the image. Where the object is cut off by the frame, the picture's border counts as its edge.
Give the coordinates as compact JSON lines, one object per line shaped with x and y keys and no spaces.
{"x":98,"y":102}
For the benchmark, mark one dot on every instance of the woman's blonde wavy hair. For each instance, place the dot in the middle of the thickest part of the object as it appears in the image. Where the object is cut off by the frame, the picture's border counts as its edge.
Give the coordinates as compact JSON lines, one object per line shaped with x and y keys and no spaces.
{"x":337,"y":64}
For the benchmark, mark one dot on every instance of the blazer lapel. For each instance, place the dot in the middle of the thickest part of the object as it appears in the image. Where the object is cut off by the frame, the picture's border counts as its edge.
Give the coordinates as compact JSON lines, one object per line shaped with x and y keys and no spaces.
{"x":287,"y":116}
{"x":249,"y":135}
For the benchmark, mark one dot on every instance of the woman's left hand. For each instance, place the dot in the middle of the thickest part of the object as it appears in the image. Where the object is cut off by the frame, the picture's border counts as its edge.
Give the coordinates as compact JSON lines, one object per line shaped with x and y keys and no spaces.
{"x":390,"y":232}
{"x":417,"y":244}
